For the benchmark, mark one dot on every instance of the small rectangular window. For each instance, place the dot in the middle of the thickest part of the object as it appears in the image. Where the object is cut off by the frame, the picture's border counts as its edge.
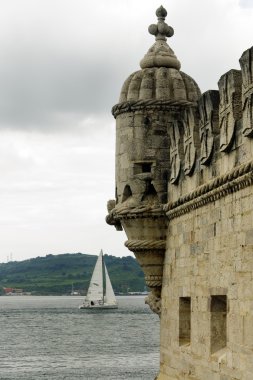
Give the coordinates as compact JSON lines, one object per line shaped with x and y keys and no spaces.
{"x":146,"y":167}
{"x":142,"y":167}
{"x":184,"y":320}
{"x":218,"y":322}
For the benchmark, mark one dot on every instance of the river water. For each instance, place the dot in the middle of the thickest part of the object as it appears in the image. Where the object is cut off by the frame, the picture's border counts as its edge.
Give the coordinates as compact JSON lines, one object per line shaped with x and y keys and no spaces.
{"x":49,"y":338}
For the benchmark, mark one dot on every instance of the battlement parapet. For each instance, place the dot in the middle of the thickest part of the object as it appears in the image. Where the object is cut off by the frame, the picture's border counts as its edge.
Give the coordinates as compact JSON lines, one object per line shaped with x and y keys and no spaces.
{"x":219,"y":137}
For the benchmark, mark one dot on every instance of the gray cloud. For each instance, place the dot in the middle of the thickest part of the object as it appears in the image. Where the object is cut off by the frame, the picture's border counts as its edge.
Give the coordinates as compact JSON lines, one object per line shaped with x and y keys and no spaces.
{"x":246,"y":3}
{"x":57,"y":69}
{"x":39,"y":90}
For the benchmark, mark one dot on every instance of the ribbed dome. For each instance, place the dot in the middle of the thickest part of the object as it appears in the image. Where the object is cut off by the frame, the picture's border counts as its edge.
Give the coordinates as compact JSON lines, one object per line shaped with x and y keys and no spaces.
{"x":160,"y":80}
{"x":160,"y":83}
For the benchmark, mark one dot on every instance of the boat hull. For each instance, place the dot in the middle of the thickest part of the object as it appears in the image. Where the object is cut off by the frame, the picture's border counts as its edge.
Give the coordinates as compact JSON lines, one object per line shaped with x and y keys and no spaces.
{"x":98,"y":307}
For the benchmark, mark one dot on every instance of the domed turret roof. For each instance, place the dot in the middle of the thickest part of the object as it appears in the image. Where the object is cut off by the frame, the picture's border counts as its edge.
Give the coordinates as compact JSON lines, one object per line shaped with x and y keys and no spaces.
{"x":160,"y":83}
{"x":160,"y":79}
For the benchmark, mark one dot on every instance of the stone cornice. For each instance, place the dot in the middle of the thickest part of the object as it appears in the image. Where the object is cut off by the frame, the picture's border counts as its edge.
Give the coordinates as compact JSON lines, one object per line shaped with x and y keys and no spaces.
{"x":131,"y":106}
{"x":236,"y":179}
{"x":137,"y":212}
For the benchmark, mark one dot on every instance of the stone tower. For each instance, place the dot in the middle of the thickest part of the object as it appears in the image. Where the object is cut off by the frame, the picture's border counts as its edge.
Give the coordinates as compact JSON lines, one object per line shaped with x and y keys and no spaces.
{"x":184,"y":197}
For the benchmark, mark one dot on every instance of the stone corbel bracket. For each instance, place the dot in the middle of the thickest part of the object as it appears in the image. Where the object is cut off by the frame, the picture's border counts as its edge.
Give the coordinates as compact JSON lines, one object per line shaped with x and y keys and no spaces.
{"x":146,"y":231}
{"x":150,"y":255}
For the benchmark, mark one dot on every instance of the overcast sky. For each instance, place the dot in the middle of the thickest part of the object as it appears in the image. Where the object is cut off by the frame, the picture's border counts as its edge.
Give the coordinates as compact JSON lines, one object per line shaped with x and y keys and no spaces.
{"x":62,"y":65}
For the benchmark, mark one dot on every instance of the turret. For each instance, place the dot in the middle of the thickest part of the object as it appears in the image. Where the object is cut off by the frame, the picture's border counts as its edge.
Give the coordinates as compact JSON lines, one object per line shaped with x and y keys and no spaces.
{"x":157,"y":106}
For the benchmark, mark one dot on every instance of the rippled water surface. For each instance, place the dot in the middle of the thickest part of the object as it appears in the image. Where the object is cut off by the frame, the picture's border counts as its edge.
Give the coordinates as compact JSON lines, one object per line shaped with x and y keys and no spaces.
{"x":50,"y":338}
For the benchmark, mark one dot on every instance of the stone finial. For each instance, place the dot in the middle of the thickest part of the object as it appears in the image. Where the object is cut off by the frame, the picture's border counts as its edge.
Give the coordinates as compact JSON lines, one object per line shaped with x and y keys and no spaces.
{"x":160,"y":54}
{"x":161,"y":30}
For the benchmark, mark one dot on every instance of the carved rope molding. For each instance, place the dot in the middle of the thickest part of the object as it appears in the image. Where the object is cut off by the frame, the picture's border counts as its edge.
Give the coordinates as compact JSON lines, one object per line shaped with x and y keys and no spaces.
{"x":153,"y":280}
{"x":143,"y":245}
{"x":138,"y":212}
{"x":136,"y":105}
{"x":231,"y":182}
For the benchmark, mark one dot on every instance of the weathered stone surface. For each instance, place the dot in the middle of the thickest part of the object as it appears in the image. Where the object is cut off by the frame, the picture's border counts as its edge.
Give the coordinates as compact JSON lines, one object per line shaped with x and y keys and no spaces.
{"x":175,"y":160}
{"x":191,"y":139}
{"x":184,"y":197}
{"x":230,"y":87}
{"x":209,"y":124}
{"x":246,"y":62}
{"x":160,"y":54}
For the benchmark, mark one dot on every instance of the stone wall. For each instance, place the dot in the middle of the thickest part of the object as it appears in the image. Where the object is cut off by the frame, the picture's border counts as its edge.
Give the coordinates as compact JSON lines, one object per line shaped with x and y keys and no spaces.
{"x":209,"y":251}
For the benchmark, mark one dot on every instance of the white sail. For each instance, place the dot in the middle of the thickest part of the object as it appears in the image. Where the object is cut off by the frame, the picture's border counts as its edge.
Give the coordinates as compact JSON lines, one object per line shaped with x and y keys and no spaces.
{"x":95,"y":291}
{"x":96,"y":299}
{"x":109,"y":293}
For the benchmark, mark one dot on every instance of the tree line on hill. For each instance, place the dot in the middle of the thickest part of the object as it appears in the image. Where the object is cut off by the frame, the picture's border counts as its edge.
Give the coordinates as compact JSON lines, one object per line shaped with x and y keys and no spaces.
{"x":59,"y":274}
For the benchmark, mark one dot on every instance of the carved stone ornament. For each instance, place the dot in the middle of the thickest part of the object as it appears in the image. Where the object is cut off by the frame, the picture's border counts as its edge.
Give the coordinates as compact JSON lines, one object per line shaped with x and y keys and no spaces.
{"x":160,"y":54}
{"x":175,"y":162}
{"x":246,"y":62}
{"x":189,"y":141}
{"x":154,"y":303}
{"x":227,"y":127}
{"x":230,"y":85}
{"x":248,"y":115}
{"x":208,"y":111}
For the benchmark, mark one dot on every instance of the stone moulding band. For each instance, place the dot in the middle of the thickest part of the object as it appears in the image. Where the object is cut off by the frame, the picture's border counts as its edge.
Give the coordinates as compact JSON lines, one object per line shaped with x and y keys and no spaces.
{"x":146,"y":104}
{"x":153,"y":280}
{"x":118,"y":215}
{"x":231,"y":182}
{"x":131,"y":214}
{"x":143,"y":245}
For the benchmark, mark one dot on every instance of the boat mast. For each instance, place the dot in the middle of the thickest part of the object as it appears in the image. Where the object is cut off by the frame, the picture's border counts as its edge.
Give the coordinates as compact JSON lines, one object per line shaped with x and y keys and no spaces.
{"x":103,"y":277}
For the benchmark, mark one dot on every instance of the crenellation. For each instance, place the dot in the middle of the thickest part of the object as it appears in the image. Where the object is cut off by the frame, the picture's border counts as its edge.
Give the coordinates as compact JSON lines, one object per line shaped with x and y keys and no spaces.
{"x":246,"y":62}
{"x":175,"y":159}
{"x":230,"y":109}
{"x":209,"y":124}
{"x":191,"y":139}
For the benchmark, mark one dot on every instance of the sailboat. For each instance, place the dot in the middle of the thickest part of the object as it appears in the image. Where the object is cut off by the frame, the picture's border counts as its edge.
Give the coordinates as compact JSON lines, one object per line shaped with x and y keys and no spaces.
{"x":74,"y":292}
{"x":98,"y":295}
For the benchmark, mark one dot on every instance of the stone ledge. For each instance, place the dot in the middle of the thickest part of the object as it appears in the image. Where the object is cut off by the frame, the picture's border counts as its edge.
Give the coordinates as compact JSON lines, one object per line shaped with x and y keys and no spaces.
{"x":131,"y":106}
{"x":144,"y":245}
{"x":231,"y":182}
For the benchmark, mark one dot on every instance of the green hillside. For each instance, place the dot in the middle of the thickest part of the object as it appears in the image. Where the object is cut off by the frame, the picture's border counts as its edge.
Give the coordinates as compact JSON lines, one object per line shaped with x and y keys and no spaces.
{"x":55,"y":274}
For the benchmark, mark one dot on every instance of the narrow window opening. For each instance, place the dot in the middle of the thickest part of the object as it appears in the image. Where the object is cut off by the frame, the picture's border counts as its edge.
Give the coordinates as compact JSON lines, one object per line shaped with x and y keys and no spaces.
{"x":116,"y":195}
{"x":184,"y":320}
{"x":146,"y":167}
{"x":142,"y":167}
{"x":150,"y":194}
{"x":127,"y":193}
{"x":218,"y":323}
